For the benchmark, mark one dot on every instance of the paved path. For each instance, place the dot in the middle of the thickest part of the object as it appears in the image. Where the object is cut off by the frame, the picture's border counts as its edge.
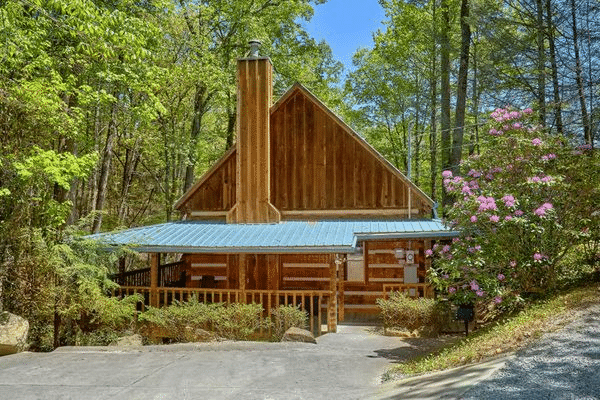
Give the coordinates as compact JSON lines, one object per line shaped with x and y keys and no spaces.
{"x":345,"y":365}
{"x":562,"y":365}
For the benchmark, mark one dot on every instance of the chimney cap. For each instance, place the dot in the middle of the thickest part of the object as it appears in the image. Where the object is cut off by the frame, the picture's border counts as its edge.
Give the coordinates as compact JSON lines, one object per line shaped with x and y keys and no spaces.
{"x":254,"y":47}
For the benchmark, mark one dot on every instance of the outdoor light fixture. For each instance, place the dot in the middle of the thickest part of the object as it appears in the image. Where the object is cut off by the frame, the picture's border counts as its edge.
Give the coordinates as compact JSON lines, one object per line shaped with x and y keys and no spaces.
{"x":410,"y":256}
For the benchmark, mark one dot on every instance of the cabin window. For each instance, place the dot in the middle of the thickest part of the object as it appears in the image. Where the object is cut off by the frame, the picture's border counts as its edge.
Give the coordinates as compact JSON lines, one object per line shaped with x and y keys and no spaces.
{"x":356,"y":268}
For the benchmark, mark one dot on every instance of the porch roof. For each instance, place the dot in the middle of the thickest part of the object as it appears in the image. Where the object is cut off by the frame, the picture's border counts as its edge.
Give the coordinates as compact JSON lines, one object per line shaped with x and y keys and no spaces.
{"x":331,"y":236}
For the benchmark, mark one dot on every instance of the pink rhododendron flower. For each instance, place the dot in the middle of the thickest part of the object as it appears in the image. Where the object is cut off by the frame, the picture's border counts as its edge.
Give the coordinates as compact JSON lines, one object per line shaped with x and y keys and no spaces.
{"x":474,"y":185}
{"x":480,"y":293}
{"x":538,"y":256}
{"x":494,"y":218}
{"x":501,"y":277}
{"x":446,"y":248}
{"x":497,"y":299}
{"x":528,"y":111}
{"x":518,"y":213}
{"x":428,"y":252}
{"x":451,"y":290}
{"x":517,"y":125}
{"x":509,"y":201}
{"x":473,"y":218}
{"x":541,"y":211}
{"x":486,"y":203}
{"x":474,"y":174}
{"x":536,"y":142}
{"x":447,"y":174}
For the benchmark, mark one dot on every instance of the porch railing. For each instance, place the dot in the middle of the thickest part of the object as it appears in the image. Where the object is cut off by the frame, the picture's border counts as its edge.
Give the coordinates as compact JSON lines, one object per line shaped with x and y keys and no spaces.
{"x":168,"y":275}
{"x":316,"y":303}
{"x":415,"y":290}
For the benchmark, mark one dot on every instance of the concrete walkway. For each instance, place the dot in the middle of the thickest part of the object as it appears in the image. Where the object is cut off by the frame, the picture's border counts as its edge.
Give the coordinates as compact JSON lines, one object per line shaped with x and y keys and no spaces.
{"x":345,"y":365}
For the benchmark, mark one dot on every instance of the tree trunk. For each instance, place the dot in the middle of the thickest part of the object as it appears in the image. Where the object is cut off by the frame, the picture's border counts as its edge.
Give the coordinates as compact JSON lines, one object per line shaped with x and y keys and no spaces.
{"x":446,"y":149}
{"x":105,"y":168}
{"x":557,"y":106}
{"x":433,"y":100}
{"x":201,"y":99}
{"x":541,"y":62}
{"x":584,"y":115}
{"x":132,"y":158}
{"x":461,"y":90}
{"x":231,"y":117}
{"x":474,"y":140}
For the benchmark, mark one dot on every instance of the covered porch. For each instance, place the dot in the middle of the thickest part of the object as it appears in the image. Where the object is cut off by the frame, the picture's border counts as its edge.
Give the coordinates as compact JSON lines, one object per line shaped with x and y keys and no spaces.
{"x":330,"y":269}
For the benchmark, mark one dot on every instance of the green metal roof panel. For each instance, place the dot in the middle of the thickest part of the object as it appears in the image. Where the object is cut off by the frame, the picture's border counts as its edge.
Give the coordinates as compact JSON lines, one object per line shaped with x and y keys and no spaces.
{"x":331,"y":236}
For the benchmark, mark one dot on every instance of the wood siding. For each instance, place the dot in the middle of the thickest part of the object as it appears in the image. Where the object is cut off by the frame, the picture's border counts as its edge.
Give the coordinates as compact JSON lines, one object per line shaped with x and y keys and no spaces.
{"x":254,"y":100}
{"x":216,"y":191}
{"x":382,"y":268}
{"x":318,"y":165}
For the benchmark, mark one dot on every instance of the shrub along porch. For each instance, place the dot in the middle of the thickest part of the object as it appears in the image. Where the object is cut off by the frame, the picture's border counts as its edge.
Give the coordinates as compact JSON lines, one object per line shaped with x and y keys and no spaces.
{"x":301,"y":210}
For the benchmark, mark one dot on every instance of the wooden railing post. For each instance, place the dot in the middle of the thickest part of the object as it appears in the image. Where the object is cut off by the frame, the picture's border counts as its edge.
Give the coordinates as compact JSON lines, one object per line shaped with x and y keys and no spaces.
{"x":242,"y":277}
{"x":332,"y":304}
{"x":339,"y":262}
{"x":154,"y":260}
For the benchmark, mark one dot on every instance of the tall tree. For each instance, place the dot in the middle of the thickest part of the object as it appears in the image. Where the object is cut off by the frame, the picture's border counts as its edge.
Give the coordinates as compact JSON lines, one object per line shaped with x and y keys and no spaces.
{"x":461,"y":89}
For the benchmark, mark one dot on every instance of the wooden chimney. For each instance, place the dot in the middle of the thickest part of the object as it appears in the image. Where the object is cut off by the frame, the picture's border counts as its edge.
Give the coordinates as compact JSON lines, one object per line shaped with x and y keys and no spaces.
{"x":254,"y":99}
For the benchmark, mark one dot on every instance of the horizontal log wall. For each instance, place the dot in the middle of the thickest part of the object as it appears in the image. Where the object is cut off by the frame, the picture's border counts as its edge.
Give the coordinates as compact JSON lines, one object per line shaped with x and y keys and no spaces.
{"x":382,"y":269}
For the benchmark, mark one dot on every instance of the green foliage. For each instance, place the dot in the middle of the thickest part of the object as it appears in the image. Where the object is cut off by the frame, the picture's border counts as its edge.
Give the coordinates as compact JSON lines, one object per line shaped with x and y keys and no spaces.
{"x":509,"y":334}
{"x":520,"y":207}
{"x":401,"y":311}
{"x":285,"y":317}
{"x":231,"y":321}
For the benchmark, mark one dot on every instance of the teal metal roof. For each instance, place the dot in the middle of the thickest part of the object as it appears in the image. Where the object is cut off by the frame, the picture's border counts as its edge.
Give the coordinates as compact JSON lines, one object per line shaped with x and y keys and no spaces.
{"x":335,"y":236}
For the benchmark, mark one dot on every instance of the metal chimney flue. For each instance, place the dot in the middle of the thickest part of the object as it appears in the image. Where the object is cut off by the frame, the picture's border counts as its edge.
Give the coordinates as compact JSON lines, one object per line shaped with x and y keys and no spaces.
{"x":254,"y":47}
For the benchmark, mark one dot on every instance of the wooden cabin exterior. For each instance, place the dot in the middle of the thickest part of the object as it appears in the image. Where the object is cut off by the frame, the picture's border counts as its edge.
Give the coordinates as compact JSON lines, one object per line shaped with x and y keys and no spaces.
{"x":300,"y":206}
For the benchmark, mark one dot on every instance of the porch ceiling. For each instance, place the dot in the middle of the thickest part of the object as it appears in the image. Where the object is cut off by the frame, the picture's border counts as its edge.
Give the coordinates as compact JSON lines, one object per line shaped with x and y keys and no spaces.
{"x":331,"y":236}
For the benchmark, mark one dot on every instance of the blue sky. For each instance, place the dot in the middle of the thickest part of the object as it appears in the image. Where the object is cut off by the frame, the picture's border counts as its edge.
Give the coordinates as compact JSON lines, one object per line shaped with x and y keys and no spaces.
{"x":346,"y":25}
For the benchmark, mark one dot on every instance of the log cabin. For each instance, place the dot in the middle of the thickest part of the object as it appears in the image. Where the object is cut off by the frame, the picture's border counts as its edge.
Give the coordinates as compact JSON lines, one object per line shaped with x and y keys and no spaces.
{"x":301,"y":210}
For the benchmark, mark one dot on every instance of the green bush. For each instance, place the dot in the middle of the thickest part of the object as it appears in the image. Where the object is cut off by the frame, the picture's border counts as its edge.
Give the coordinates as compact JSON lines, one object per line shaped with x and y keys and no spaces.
{"x":285,"y":317}
{"x":232,"y":321}
{"x":239,"y":321}
{"x":401,"y":311}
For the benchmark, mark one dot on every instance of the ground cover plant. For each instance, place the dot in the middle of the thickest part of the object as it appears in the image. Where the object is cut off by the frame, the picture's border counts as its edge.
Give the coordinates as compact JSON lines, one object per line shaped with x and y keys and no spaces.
{"x":403,"y":312}
{"x":508,"y":334}
{"x":194,"y":320}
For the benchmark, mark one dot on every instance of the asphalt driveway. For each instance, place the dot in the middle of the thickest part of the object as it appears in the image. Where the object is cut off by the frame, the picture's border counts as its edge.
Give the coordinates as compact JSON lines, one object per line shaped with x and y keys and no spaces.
{"x":345,"y":365}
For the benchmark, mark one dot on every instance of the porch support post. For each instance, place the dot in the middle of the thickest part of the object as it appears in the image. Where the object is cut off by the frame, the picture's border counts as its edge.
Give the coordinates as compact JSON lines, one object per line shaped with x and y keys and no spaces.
{"x":339,"y":262}
{"x":332,"y":306}
{"x":428,"y":289}
{"x":121,"y":275}
{"x":154,"y":260}
{"x":242,"y":277}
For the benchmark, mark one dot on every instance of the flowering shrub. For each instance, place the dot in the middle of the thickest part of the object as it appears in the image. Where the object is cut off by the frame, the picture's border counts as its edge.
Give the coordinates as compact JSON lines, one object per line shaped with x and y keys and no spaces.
{"x":519,"y":207}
